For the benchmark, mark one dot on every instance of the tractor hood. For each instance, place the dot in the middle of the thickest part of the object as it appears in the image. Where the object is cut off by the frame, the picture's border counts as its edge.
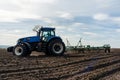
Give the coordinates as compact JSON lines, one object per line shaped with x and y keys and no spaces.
{"x":30,"y":39}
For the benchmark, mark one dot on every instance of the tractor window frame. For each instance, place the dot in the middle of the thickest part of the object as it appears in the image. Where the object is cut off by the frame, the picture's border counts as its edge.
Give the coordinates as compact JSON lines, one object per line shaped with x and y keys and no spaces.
{"x":50,"y":32}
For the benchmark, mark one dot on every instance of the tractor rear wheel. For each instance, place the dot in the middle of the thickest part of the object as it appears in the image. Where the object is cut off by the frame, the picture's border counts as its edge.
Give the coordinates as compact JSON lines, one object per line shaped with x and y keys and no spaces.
{"x":21,"y":50}
{"x":56,"y":47}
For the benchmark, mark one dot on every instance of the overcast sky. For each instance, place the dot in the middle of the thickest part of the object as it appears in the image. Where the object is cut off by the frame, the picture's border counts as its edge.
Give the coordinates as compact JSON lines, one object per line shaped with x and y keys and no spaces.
{"x":97,"y":22}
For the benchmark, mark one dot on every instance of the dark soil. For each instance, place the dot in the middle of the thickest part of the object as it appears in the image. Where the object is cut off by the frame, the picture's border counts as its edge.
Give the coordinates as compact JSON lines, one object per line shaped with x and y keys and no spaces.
{"x":71,"y":66}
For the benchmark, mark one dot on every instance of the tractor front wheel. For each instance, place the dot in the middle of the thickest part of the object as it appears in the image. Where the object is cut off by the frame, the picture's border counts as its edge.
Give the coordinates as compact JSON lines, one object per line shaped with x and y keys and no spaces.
{"x":21,"y":50}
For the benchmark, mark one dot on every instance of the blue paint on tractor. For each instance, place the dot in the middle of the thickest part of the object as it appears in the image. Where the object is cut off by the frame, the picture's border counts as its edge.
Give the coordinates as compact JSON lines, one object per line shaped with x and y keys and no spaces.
{"x":49,"y":38}
{"x":30,"y":39}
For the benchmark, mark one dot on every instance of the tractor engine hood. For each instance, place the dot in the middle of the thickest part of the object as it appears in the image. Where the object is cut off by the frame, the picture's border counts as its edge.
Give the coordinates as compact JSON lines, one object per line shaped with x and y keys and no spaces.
{"x":30,"y":39}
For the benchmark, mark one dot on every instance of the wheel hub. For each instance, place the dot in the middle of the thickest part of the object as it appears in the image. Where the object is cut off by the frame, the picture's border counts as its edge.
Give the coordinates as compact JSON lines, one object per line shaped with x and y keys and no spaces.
{"x":18,"y":51}
{"x":57,"y":48}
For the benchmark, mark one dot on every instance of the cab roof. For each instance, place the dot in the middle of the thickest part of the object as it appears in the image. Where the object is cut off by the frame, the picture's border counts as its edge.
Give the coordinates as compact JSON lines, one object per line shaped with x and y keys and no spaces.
{"x":47,"y":29}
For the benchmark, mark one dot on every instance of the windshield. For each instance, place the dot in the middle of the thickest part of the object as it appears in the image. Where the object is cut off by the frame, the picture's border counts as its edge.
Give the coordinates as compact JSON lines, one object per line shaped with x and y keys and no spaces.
{"x":45,"y":35}
{"x":48,"y":33}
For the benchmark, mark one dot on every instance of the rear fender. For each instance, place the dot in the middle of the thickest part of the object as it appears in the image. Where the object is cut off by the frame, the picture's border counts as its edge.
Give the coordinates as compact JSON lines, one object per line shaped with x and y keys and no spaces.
{"x":53,"y":38}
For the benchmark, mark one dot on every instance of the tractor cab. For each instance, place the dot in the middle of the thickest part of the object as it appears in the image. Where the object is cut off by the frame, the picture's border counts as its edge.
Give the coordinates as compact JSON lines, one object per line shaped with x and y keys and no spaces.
{"x":45,"y":33}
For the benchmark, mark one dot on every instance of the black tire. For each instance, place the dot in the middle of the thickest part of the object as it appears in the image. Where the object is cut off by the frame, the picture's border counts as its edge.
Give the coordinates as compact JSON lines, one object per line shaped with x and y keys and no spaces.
{"x":10,"y":49}
{"x":21,"y":50}
{"x":56,"y":47}
{"x":29,"y":48}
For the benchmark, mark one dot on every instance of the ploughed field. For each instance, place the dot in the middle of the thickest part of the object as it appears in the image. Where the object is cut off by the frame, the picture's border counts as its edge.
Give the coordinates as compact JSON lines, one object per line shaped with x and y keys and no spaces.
{"x":71,"y":66}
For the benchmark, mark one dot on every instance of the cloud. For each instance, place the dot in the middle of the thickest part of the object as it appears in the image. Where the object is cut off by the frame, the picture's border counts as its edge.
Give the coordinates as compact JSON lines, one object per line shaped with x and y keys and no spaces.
{"x":48,"y":20}
{"x":106,"y":18}
{"x":60,"y":27}
{"x":117,"y":30}
{"x":44,"y":1}
{"x":101,"y":17}
{"x":90,"y":34}
{"x":116,"y":20}
{"x":7,"y":16}
{"x":10,"y":36}
{"x":14,"y":10}
{"x":78,"y":24}
{"x":64,"y":15}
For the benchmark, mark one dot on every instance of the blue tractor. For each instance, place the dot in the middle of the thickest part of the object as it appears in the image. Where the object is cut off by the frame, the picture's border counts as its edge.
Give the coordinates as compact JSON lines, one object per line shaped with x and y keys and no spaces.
{"x":46,"y":41}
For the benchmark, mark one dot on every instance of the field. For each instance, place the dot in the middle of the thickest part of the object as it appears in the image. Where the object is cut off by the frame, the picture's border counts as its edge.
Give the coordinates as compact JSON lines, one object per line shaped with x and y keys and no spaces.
{"x":71,"y":66}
